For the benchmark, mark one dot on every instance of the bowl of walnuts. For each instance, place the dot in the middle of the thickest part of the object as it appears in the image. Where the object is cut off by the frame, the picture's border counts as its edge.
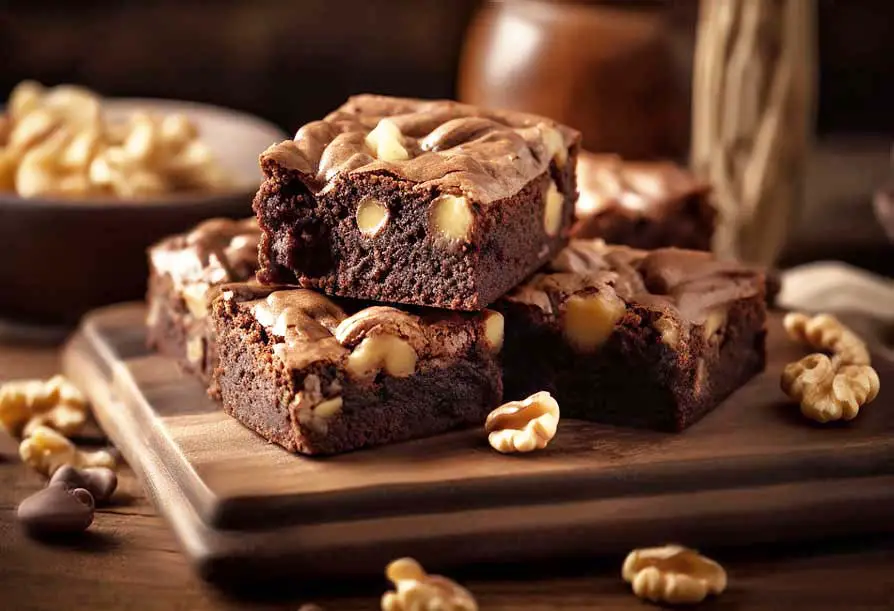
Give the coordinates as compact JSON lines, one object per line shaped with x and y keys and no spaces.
{"x":88,"y":184}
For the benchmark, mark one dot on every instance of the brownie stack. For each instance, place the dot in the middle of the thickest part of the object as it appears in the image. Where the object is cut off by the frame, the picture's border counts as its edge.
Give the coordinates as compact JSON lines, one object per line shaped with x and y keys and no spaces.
{"x":412,"y":258}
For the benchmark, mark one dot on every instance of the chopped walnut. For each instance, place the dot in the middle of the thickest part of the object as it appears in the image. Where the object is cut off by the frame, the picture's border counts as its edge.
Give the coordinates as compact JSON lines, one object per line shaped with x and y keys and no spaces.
{"x":673,"y":574}
{"x":828,"y":388}
{"x":45,"y":450}
{"x":416,"y":590}
{"x":27,"y":404}
{"x":523,"y":426}
{"x":825,"y":332}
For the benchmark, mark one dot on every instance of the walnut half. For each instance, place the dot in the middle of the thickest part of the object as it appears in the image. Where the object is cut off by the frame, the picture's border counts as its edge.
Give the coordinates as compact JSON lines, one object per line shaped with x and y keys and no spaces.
{"x":827,"y":333}
{"x":828,"y":389}
{"x":416,"y":590}
{"x":46,"y":451}
{"x":673,"y":574}
{"x":523,"y":426}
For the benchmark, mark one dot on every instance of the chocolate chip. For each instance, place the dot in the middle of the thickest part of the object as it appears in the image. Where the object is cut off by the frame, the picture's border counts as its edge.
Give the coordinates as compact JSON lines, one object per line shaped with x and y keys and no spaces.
{"x":99,"y":481}
{"x":57,"y":510}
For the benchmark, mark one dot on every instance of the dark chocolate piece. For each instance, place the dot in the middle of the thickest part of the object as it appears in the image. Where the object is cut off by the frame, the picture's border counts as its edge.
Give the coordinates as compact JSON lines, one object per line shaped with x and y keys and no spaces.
{"x":185,"y":271}
{"x":641,"y":338}
{"x":642,"y":204}
{"x":56,"y":510}
{"x":421,"y":202}
{"x":101,"y":482}
{"x":320,"y":376}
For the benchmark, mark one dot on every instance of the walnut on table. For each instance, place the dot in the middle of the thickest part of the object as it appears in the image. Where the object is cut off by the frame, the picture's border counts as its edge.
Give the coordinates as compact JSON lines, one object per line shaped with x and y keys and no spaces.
{"x":416,"y":590}
{"x":523,"y":426}
{"x":673,"y":574}
{"x":28,"y":404}
{"x":46,"y":451}
{"x":828,"y":388}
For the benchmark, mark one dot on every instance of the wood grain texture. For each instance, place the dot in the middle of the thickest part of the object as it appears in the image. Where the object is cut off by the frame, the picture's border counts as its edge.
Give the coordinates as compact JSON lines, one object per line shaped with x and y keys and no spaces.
{"x":450,"y":500}
{"x":130,"y":559}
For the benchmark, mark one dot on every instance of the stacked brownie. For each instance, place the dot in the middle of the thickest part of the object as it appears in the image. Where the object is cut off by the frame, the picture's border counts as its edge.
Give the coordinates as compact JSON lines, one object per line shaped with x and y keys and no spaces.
{"x":185,"y":273}
{"x":642,"y":204}
{"x":412,"y":258}
{"x":639,"y":338}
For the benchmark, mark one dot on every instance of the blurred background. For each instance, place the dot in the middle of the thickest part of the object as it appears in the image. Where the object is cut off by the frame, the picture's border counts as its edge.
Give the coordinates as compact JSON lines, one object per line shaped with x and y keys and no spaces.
{"x":291,"y":62}
{"x":621,"y":71}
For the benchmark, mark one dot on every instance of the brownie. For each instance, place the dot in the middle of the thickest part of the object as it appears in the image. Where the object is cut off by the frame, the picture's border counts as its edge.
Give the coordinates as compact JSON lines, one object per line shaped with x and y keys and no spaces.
{"x":431,"y":203}
{"x":651,"y":339}
{"x":184,"y":274}
{"x":642,"y":204}
{"x":323,"y":376}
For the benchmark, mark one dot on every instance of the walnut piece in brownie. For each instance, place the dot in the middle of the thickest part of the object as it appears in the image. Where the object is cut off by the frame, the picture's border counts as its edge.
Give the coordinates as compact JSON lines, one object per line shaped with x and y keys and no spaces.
{"x":431,"y":203}
{"x":320,"y":376}
{"x":651,"y":339}
{"x":184,"y":273}
{"x":642,"y":204}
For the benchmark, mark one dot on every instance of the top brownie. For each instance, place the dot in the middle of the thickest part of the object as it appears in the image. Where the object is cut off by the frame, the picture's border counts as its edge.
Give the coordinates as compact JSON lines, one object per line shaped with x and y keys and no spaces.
{"x":644,"y":204}
{"x":431,"y":203}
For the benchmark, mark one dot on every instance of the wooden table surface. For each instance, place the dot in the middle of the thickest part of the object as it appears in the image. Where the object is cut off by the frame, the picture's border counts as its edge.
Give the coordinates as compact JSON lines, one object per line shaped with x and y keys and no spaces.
{"x":130,"y":559}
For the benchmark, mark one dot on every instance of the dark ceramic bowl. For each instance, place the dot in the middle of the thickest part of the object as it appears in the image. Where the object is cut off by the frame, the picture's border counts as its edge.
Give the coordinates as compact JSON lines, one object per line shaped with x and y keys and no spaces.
{"x":62,"y":257}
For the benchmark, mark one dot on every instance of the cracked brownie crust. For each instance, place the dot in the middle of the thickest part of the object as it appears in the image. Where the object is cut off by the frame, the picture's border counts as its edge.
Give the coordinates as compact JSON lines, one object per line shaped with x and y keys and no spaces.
{"x":421,"y":202}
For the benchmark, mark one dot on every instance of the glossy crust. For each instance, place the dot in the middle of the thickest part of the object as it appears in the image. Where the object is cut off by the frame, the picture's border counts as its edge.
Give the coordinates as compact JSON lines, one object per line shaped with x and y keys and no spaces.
{"x":502,"y":164}
{"x":642,"y":375}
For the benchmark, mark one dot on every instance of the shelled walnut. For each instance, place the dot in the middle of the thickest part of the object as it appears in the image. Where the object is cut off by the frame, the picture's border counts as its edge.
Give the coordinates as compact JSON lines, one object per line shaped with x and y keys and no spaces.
{"x":45,"y":451}
{"x":58,"y":142}
{"x":28,"y":404}
{"x":828,"y":389}
{"x":827,"y":333}
{"x":673,"y":574}
{"x":523,"y":426}
{"x":416,"y":590}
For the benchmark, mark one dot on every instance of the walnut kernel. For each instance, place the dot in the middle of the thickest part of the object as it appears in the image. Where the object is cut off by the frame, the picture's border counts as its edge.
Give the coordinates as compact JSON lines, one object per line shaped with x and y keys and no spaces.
{"x":553,"y":205}
{"x":451,"y":218}
{"x":416,"y":590}
{"x":494,"y":330}
{"x":673,"y":574}
{"x":523,"y":426}
{"x":372,"y":216}
{"x":827,"y":333}
{"x":25,"y":404}
{"x":590,"y":319}
{"x":46,"y":450}
{"x":385,"y":141}
{"x":828,"y":389}
{"x":555,"y":144}
{"x":393,"y":354}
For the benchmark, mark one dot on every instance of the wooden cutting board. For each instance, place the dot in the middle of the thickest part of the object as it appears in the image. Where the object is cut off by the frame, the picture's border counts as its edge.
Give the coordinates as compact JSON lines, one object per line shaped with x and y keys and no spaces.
{"x":752,"y":471}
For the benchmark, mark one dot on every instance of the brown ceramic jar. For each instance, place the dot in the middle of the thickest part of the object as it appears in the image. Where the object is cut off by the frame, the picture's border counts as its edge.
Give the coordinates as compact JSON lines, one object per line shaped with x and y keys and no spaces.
{"x":615,"y":70}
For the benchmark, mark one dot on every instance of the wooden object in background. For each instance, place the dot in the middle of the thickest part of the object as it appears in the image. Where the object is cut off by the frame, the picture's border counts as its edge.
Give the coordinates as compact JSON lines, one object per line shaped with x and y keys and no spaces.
{"x":753,"y":103}
{"x":752,"y":471}
{"x":614,"y":70}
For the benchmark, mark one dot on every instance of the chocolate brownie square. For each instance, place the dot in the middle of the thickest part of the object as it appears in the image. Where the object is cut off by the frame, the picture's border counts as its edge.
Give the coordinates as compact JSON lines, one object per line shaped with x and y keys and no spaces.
{"x":652,"y":339}
{"x":642,"y":204}
{"x":323,"y":376}
{"x":431,"y":203}
{"x":184,"y":273}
